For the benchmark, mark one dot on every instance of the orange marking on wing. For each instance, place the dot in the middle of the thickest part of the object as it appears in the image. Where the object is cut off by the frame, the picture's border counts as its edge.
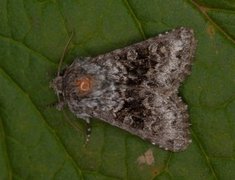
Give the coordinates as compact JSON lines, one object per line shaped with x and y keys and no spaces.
{"x":84,"y":84}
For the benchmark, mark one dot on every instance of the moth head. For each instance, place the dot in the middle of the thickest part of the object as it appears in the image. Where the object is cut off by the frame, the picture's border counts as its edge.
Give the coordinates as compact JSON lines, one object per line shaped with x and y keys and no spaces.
{"x":82,"y":84}
{"x":56,"y":84}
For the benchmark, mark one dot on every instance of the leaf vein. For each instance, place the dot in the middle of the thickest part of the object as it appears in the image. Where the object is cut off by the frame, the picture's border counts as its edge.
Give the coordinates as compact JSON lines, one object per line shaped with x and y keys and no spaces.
{"x":135,"y":19}
{"x":209,"y":164}
{"x":3,"y":135}
{"x":203,"y":10}
{"x":60,"y":143}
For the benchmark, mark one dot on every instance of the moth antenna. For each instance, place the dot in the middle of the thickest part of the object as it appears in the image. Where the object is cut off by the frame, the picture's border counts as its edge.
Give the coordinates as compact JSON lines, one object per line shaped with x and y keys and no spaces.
{"x":61,"y":61}
{"x":63,"y":54}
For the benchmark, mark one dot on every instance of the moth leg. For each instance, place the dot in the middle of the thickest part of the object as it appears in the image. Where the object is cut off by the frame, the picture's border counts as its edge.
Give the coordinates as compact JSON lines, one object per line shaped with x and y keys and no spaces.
{"x":60,"y":105}
{"x":52,"y":105}
{"x":88,"y":130}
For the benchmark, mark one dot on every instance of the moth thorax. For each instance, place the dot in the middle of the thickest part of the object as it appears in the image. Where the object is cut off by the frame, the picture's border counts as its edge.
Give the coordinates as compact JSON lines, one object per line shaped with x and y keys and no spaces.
{"x":84,"y":84}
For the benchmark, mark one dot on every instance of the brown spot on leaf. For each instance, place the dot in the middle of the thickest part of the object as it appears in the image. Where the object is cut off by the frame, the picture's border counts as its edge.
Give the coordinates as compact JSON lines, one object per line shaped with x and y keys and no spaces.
{"x":210,"y":31}
{"x":147,"y":158}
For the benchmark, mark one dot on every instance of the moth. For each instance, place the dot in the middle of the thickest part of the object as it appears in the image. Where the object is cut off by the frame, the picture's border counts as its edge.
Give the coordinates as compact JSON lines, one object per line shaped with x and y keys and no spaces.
{"x":135,"y":88}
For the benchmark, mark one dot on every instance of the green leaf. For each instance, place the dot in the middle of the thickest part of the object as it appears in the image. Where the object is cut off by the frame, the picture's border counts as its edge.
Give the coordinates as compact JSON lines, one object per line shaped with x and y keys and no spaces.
{"x":37,"y":142}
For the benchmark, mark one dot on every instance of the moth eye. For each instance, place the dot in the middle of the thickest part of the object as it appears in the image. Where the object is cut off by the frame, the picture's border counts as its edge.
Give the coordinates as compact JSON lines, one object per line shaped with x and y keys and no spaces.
{"x":84,"y":84}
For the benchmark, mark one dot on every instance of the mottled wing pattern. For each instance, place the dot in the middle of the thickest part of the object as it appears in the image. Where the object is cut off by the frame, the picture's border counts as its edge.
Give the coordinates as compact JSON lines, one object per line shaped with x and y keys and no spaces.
{"x":152,"y":72}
